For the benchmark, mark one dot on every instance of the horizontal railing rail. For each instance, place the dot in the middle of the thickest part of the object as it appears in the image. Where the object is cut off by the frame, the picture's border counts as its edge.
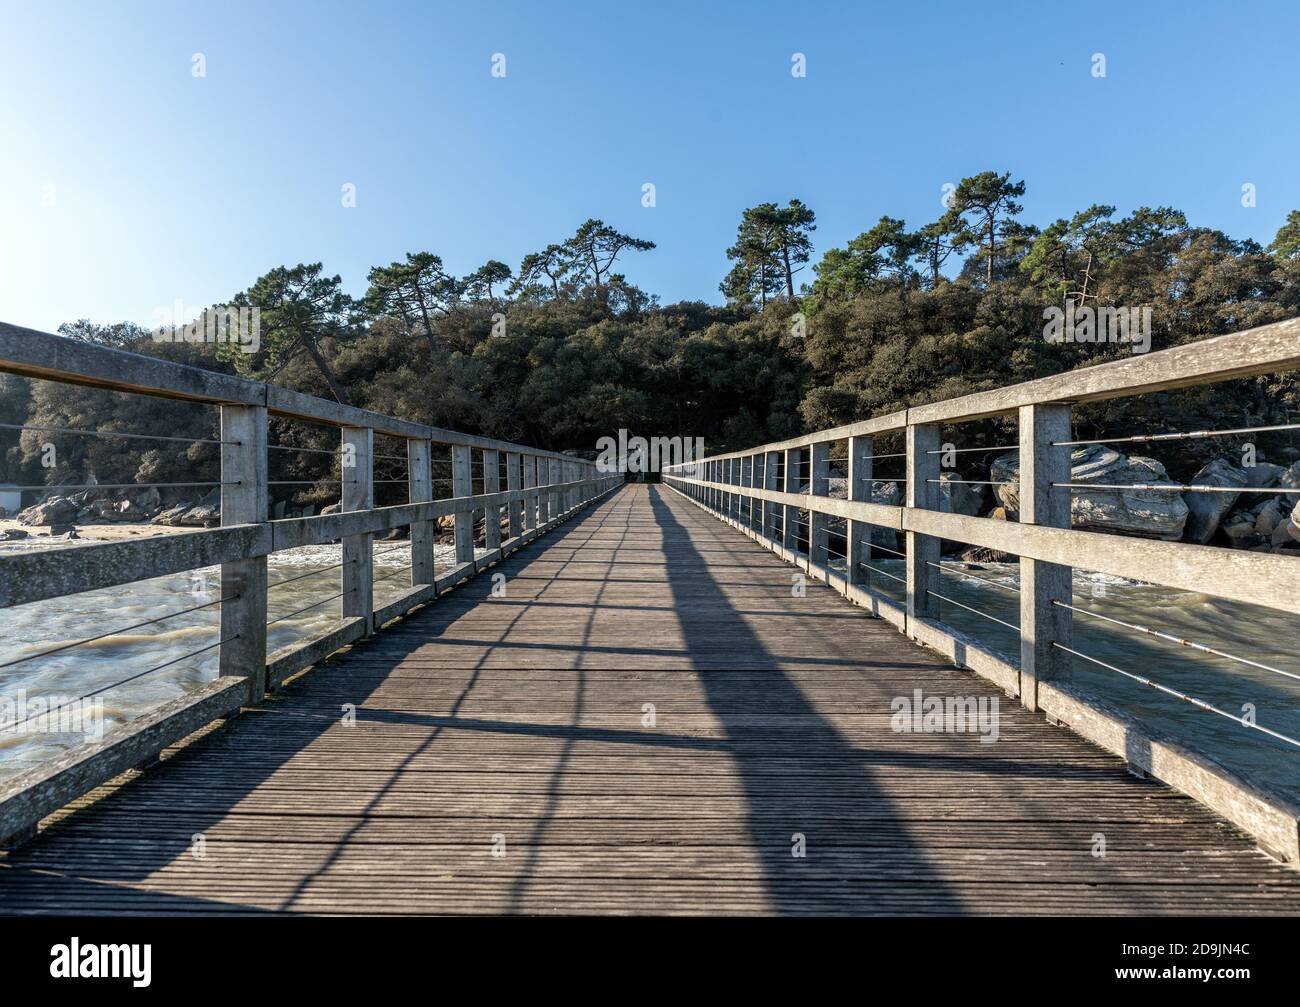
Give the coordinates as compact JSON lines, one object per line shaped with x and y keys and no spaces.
{"x":542,"y":489}
{"x":764,"y":491}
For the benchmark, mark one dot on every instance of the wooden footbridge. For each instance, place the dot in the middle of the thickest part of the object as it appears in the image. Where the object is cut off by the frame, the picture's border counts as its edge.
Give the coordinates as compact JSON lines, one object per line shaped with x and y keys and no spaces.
{"x":670,"y":700}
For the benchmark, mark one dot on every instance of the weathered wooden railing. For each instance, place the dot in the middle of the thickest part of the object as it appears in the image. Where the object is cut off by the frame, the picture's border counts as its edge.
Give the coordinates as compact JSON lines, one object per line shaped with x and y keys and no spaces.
{"x":758,"y":491}
{"x":543,"y":489}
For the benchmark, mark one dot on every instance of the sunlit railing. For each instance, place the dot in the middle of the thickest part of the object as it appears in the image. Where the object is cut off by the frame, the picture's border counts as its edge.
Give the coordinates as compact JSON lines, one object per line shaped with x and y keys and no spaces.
{"x":525,"y":492}
{"x":778,"y":494}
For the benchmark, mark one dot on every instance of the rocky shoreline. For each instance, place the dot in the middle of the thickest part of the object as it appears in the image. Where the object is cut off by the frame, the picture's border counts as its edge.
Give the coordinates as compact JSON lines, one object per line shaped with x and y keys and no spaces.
{"x":1260,"y":522}
{"x":64,"y":514}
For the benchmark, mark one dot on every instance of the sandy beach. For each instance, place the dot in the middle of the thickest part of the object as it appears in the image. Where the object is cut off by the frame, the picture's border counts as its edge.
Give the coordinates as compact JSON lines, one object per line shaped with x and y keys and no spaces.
{"x":87,"y":533}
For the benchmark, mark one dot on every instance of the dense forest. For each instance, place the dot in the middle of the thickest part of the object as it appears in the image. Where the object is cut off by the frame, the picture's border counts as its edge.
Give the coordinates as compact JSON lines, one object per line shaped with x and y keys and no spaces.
{"x":564,"y":349}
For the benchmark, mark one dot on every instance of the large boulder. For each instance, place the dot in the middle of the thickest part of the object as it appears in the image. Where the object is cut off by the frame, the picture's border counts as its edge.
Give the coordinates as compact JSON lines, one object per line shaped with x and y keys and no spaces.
{"x":1292,"y":524}
{"x":1263,"y":474}
{"x":206,"y":513}
{"x":172,"y":516}
{"x":1206,"y":510}
{"x":54,"y":510}
{"x":958,"y":497}
{"x":1240,"y":530}
{"x":1146,"y":513}
{"x":888,"y":493}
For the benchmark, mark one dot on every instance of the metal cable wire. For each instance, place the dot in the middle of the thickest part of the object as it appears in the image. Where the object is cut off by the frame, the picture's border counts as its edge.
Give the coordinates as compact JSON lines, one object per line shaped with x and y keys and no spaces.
{"x":882,"y":573}
{"x":116,"y":486}
{"x":1177,"y":695}
{"x":116,"y":632}
{"x":1176,"y":639}
{"x":964,"y":573}
{"x":306,"y":608}
{"x":991,"y":618}
{"x":299,"y":447}
{"x":959,"y":451}
{"x":131,"y":678}
{"x":979,"y":482}
{"x":113,"y":433}
{"x":1177,"y":488}
{"x":390,"y":576}
{"x":1190,"y":435}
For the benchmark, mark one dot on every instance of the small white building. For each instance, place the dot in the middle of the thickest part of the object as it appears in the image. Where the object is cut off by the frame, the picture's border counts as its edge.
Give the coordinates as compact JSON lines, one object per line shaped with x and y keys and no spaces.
{"x":11,"y":498}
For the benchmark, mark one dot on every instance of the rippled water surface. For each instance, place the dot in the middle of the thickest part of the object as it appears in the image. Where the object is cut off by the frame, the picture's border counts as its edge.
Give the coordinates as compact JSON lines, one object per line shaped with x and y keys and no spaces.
{"x":30,"y":630}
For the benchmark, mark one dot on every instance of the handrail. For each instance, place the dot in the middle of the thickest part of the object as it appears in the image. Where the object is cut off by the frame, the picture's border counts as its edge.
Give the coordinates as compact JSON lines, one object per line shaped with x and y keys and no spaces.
{"x":761,"y":490}
{"x":543,"y":489}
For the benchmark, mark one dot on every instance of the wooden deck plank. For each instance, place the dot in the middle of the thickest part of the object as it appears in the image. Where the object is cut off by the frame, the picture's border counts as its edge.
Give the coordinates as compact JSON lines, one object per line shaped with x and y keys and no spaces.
{"x":482,"y":719}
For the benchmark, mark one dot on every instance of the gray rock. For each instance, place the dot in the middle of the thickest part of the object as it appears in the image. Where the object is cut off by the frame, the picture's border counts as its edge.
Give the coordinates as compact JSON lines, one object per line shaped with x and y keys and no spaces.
{"x":1206,"y":510}
{"x":957,"y":497}
{"x":206,"y":512}
{"x":1268,"y":516}
{"x":172,"y":515}
{"x":1263,"y":474}
{"x":1240,"y":530}
{"x":13,"y":535}
{"x":55,"y":510}
{"x":1147,"y":513}
{"x":890,"y":494}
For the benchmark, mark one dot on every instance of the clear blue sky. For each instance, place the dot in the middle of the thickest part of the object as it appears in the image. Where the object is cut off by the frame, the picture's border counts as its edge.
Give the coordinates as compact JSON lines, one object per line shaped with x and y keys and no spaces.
{"x":166,"y":186}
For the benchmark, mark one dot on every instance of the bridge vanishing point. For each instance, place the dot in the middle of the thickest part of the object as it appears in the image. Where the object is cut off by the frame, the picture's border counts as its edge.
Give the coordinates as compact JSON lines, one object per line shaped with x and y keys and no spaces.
{"x":646,"y":712}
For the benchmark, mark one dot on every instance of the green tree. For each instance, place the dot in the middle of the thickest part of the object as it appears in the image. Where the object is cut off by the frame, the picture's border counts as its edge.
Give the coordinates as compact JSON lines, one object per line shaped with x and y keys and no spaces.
{"x":417,"y":291}
{"x":479,"y":284}
{"x":1286,"y":245}
{"x":552,"y":264}
{"x":982,"y":215}
{"x":876,"y":257}
{"x":300,"y":311}
{"x":594,"y":248}
{"x":757,"y":270}
{"x":933,"y":247}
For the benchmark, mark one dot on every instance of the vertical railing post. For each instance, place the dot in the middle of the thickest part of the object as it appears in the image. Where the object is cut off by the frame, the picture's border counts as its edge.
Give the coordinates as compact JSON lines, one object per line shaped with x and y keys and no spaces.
{"x":515,"y":510}
{"x":419,"y":476}
{"x":746,"y":481}
{"x":819,"y":485}
{"x":860,"y":459}
{"x":462,"y":485}
{"x":553,"y":468}
{"x":530,"y":500}
{"x":358,"y":494}
{"x":492,"y":513}
{"x":922,"y":493}
{"x":790,"y":524}
{"x":244,"y":501}
{"x":770,"y":510}
{"x":1042,"y":623}
{"x":543,"y":497}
